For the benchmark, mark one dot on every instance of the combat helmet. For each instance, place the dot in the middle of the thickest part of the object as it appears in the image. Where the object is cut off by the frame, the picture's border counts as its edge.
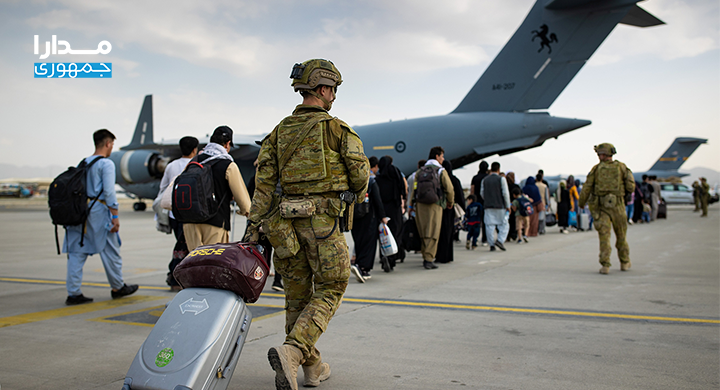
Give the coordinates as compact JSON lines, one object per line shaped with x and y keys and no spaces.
{"x":312,"y":73}
{"x":605,"y":148}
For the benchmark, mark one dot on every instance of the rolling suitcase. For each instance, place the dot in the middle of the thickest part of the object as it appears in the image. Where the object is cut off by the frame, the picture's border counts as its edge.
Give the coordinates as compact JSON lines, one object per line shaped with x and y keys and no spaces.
{"x":194,"y":345}
{"x":583,"y":221}
{"x":662,"y":211}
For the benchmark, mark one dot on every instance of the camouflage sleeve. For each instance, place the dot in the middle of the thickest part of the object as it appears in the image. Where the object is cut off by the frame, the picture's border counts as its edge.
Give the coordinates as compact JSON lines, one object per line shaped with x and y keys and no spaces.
{"x":629,"y":180}
{"x":356,"y":162}
{"x":588,"y":188}
{"x":266,"y":179}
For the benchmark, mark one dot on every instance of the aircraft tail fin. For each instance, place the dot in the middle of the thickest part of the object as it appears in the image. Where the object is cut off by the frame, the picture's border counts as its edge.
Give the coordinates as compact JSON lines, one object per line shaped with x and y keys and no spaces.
{"x":677,"y":153}
{"x":546,"y":52}
{"x":143,"y":135}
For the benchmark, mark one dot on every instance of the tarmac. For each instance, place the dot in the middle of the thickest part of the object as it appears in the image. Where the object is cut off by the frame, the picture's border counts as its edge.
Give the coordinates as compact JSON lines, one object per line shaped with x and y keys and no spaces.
{"x":538,"y":316}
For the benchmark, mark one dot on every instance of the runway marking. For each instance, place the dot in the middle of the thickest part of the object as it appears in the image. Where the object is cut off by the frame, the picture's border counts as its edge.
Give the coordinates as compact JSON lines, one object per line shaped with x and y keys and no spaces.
{"x":489,"y":261}
{"x":520,"y":310}
{"x":62,"y":282}
{"x":73,"y":310}
{"x":437,"y":305}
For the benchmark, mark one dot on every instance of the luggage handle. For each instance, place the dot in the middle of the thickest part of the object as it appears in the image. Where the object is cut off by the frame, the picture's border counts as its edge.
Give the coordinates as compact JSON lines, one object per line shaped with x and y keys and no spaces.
{"x":237,"y":348}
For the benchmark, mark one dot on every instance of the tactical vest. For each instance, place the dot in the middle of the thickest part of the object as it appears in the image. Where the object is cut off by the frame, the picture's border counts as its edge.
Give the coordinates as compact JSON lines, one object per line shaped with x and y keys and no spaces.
{"x":609,"y":178}
{"x":313,"y":167}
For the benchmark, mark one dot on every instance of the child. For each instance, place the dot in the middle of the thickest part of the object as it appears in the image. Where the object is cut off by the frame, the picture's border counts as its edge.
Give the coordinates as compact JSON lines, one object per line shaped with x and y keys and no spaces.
{"x":647,"y":209}
{"x":520,"y":220}
{"x":473,"y":212}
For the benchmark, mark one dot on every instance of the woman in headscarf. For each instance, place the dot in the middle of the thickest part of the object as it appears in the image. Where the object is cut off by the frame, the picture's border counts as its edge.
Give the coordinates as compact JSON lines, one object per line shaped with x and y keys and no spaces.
{"x":532,"y":191}
{"x":563,"y":206}
{"x":393,"y":190}
{"x":574,"y":195}
{"x":512,"y":234}
{"x":447,"y":231}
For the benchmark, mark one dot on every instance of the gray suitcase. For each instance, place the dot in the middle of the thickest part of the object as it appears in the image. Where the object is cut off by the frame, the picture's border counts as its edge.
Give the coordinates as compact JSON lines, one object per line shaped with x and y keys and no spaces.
{"x":583,"y":221}
{"x":194,"y":345}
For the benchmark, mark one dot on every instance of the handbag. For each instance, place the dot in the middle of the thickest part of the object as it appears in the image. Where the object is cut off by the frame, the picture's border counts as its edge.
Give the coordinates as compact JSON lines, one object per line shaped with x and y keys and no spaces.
{"x":388,"y":246}
{"x":459,"y":212}
{"x":410,"y":236}
{"x":550,"y":219}
{"x":237,"y":267}
{"x":572,"y":218}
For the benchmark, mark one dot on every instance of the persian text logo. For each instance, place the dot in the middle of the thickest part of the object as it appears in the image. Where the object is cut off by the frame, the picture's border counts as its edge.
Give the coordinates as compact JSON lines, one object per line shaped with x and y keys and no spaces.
{"x":71,"y":69}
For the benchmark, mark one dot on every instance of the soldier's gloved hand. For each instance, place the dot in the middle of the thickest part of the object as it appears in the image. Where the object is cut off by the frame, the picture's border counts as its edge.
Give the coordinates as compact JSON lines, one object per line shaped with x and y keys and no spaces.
{"x":252,"y":232}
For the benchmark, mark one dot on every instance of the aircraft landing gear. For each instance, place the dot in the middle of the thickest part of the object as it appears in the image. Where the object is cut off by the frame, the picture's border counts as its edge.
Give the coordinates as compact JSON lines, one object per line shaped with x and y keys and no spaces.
{"x":139,"y":206}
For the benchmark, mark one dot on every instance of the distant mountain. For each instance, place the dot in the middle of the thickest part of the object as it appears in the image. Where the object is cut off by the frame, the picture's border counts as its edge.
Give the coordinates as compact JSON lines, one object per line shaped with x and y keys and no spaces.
{"x":8,"y":171}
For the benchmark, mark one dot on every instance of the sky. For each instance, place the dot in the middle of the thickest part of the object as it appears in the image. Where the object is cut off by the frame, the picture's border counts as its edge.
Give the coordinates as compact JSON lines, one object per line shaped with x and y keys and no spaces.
{"x":228,"y":62}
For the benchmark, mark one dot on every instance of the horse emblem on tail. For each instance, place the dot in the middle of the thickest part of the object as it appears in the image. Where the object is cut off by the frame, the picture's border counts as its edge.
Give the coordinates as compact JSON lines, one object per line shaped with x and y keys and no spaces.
{"x":544,"y":40}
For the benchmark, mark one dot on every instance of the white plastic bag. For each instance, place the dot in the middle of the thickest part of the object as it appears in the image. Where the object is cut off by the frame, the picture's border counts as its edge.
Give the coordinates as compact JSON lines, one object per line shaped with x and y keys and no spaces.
{"x":388,"y":246}
{"x":166,"y":200}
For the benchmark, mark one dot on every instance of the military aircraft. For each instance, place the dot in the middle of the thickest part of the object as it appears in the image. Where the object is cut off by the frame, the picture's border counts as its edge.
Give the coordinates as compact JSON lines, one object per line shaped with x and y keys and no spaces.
{"x":548,"y":49}
{"x":670,"y":161}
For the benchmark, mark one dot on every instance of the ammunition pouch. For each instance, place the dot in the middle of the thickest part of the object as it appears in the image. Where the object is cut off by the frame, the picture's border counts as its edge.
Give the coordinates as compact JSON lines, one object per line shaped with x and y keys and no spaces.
{"x":280,"y":232}
{"x":297,"y":208}
{"x":609,"y":201}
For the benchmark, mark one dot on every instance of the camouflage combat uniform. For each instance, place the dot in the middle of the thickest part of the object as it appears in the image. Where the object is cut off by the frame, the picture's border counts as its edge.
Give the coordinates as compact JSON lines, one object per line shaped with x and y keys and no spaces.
{"x":605,"y":189}
{"x":329,"y":160}
{"x":704,"y":197}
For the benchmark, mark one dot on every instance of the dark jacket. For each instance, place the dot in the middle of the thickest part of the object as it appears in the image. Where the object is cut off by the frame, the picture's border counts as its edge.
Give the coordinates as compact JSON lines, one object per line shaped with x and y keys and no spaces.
{"x":222,"y":192}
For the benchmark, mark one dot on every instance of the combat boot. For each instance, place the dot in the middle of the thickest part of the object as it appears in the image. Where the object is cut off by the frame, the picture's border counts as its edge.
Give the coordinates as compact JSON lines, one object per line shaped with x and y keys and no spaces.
{"x":625,"y":266}
{"x":285,"y":360}
{"x":605,"y":270}
{"x":316,"y":373}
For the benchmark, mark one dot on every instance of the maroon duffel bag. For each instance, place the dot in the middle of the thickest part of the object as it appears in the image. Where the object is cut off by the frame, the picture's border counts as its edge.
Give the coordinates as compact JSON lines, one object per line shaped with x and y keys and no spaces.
{"x":238,"y":267}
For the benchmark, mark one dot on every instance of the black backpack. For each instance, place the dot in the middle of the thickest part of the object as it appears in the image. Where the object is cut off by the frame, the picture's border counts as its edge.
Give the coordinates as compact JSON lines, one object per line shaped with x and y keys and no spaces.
{"x":67,"y":198}
{"x":193,"y":193}
{"x":526,"y":208}
{"x":428,"y":189}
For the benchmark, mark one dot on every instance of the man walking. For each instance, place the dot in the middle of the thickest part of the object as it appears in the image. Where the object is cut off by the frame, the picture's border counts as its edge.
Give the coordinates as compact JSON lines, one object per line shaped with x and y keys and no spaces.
{"x":188,"y":148}
{"x":101,"y":229}
{"x":432,"y":192}
{"x":494,"y":190}
{"x":605,"y":188}
{"x":654,"y":197}
{"x":227,"y":183}
{"x":319,"y":162}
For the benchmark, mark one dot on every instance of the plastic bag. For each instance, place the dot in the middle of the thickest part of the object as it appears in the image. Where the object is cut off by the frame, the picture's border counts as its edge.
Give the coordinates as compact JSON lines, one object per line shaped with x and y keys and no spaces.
{"x":388,"y":246}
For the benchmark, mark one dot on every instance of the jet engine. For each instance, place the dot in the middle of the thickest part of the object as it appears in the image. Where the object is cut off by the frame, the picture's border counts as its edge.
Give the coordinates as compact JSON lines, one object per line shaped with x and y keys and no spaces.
{"x":138,"y":166}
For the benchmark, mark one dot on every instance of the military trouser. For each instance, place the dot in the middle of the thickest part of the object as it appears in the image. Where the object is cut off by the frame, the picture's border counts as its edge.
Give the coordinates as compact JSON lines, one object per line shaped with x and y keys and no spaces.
{"x":604,"y":218}
{"x":704,"y":204}
{"x":315,"y":280}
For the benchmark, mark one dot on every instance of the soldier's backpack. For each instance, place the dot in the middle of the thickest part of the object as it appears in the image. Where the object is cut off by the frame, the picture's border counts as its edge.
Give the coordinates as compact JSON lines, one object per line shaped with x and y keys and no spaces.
{"x":193,"y":193}
{"x":68,"y":200}
{"x":526,"y":208}
{"x":428,"y":189}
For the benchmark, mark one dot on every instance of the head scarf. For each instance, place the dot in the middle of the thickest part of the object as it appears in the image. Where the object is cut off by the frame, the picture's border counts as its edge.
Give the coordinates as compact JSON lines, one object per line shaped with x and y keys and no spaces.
{"x":532,"y":190}
{"x":561,"y":186}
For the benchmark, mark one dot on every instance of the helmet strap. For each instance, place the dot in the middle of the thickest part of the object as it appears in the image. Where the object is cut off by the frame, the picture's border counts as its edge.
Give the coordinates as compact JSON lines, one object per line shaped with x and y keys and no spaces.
{"x":325,"y":101}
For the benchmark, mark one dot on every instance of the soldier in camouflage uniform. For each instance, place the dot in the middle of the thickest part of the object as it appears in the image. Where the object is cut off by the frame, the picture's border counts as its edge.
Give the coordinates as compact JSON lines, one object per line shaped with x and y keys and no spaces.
{"x":704,"y":190}
{"x":605,"y":189}
{"x":315,"y":157}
